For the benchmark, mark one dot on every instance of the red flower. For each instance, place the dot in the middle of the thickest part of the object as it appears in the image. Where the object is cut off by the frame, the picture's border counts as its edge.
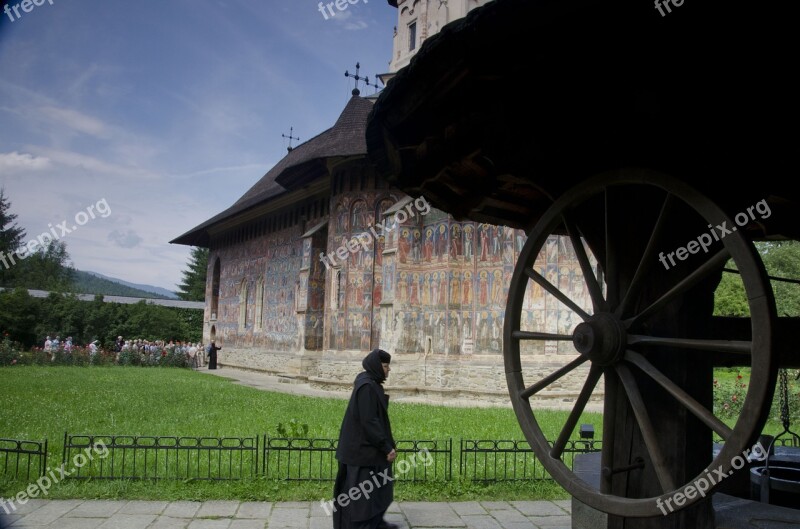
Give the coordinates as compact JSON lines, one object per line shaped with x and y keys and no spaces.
{"x":739,"y":377}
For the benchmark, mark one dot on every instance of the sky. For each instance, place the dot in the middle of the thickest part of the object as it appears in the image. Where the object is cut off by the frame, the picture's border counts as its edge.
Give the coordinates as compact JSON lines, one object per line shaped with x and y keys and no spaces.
{"x":125,"y":124}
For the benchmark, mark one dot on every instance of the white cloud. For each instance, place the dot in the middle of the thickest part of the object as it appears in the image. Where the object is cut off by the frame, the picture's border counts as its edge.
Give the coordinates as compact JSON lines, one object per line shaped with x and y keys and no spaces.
{"x":128,"y":239}
{"x":76,"y":121}
{"x":26,"y":162}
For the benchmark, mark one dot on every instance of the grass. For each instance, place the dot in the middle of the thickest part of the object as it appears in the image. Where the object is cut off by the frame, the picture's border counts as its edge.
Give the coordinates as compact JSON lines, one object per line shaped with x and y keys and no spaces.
{"x":44,"y":402}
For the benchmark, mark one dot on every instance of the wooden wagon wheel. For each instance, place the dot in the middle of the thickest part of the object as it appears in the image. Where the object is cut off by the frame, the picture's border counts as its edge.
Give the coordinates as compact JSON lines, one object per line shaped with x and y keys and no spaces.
{"x":613,"y":337}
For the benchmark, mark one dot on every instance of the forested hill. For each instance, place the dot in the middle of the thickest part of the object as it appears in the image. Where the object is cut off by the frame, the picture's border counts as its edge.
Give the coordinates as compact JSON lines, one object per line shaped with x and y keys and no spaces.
{"x":86,"y":283}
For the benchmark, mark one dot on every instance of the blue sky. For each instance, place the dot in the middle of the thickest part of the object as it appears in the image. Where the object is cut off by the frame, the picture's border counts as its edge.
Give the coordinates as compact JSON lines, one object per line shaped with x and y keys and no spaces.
{"x":168,"y":111}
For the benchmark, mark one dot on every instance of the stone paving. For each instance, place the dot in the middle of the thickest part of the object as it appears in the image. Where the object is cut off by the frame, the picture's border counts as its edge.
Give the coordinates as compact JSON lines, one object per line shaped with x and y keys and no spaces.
{"x":106,"y":514}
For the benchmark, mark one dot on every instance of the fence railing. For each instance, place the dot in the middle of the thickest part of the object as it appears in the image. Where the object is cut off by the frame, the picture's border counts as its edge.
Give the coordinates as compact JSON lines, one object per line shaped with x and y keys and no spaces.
{"x":512,"y":460}
{"x":18,"y":458}
{"x":162,"y":457}
{"x":89,"y":456}
{"x":301,"y":459}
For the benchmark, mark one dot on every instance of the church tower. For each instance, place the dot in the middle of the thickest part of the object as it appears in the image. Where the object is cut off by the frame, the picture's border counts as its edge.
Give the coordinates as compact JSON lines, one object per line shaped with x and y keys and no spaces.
{"x":418,"y":20}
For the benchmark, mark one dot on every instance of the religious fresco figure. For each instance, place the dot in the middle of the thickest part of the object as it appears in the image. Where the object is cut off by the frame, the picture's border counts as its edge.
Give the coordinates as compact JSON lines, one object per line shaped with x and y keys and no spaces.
{"x":402,"y":285}
{"x":414,"y":287}
{"x":469,"y":241}
{"x":404,"y":245}
{"x":455,"y":289}
{"x":441,"y":242}
{"x":497,"y":243}
{"x":455,"y":241}
{"x":466,"y":324}
{"x":442,"y":288}
{"x":483,"y":288}
{"x":416,"y":246}
{"x":435,"y":288}
{"x":467,"y":297}
{"x":454,"y":333}
{"x":497,"y":287}
{"x":483,"y":234}
{"x":427,"y":252}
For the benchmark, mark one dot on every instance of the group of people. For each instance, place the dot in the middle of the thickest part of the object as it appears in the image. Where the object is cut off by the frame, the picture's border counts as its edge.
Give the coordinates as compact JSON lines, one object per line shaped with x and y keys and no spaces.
{"x":195,"y":351}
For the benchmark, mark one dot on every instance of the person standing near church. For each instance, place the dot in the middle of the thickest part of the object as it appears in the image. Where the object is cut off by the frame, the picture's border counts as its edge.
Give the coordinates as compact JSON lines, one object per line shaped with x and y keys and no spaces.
{"x":212,"y":354}
{"x":366,"y":449}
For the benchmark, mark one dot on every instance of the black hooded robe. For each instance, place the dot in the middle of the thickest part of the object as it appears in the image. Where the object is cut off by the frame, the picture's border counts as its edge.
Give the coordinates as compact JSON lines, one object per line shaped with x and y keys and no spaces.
{"x":365,"y":440}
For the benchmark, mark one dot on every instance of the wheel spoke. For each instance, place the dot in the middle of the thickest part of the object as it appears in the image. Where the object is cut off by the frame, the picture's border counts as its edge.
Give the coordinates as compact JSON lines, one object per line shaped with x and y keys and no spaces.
{"x":697,"y":409}
{"x":646,"y":427}
{"x":575,"y":415}
{"x":609,"y":429}
{"x":552,"y":377}
{"x":722,"y":346}
{"x":530,"y":335}
{"x":595,"y":291}
{"x":552,"y":289}
{"x":647,"y":258}
{"x":719,"y":259}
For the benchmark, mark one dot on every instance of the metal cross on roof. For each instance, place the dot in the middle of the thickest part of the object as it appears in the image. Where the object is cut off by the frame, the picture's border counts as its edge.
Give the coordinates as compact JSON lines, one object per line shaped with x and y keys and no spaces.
{"x":356,"y":91}
{"x":291,"y":129}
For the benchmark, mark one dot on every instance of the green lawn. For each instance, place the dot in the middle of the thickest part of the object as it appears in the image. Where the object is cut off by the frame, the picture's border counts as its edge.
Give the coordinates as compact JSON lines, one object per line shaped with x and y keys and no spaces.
{"x":45,"y":402}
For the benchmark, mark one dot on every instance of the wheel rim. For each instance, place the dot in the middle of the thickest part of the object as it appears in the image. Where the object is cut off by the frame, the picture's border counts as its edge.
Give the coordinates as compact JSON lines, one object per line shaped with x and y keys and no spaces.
{"x":610,"y":338}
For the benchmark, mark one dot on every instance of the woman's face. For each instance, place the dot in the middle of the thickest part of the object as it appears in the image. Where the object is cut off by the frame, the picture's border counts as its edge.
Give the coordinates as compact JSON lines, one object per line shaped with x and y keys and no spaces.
{"x":386,"y":369}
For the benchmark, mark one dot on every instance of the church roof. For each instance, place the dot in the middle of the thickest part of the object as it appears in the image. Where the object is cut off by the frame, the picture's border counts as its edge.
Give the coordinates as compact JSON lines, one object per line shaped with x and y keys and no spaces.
{"x":303,"y":164}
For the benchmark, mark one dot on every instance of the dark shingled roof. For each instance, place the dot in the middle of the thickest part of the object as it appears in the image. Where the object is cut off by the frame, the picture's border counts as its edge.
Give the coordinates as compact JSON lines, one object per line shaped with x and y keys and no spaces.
{"x":302,"y":165}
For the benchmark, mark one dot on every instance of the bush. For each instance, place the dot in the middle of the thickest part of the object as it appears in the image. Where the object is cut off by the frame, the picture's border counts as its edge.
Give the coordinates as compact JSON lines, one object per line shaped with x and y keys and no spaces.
{"x":729,"y":396}
{"x":9,"y":351}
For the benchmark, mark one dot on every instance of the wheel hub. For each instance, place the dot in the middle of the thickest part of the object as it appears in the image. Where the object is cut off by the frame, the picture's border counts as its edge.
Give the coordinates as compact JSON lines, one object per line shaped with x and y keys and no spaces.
{"x":602,"y":339}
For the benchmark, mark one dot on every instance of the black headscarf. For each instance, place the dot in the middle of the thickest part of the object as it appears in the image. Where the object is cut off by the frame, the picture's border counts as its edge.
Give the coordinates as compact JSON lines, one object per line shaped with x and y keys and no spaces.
{"x":372,"y":364}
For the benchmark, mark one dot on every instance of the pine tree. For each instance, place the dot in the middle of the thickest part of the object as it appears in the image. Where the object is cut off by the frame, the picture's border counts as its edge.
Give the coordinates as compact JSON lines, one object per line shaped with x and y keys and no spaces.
{"x":193,"y":286}
{"x":11,"y":237}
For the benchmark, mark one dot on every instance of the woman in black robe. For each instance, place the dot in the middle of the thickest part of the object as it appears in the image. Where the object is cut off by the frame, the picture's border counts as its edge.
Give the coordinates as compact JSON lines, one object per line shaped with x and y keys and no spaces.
{"x":365,"y":451}
{"x":212,"y":355}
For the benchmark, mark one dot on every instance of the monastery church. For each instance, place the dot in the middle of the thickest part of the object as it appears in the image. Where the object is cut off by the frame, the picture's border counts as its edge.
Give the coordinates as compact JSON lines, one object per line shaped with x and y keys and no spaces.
{"x":321,"y":261}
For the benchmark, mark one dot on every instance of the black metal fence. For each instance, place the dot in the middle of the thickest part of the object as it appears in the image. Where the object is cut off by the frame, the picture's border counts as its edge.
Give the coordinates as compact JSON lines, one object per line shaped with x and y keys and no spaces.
{"x":291,"y":459}
{"x":430,"y":460}
{"x":18,"y":458}
{"x":512,"y":460}
{"x":300,"y":459}
{"x":160,"y":457}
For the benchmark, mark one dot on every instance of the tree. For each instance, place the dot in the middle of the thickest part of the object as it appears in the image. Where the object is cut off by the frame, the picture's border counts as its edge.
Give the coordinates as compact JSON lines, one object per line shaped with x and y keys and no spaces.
{"x":11,"y":237}
{"x":193,"y":286}
{"x":48,"y":268}
{"x":781,"y":259}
